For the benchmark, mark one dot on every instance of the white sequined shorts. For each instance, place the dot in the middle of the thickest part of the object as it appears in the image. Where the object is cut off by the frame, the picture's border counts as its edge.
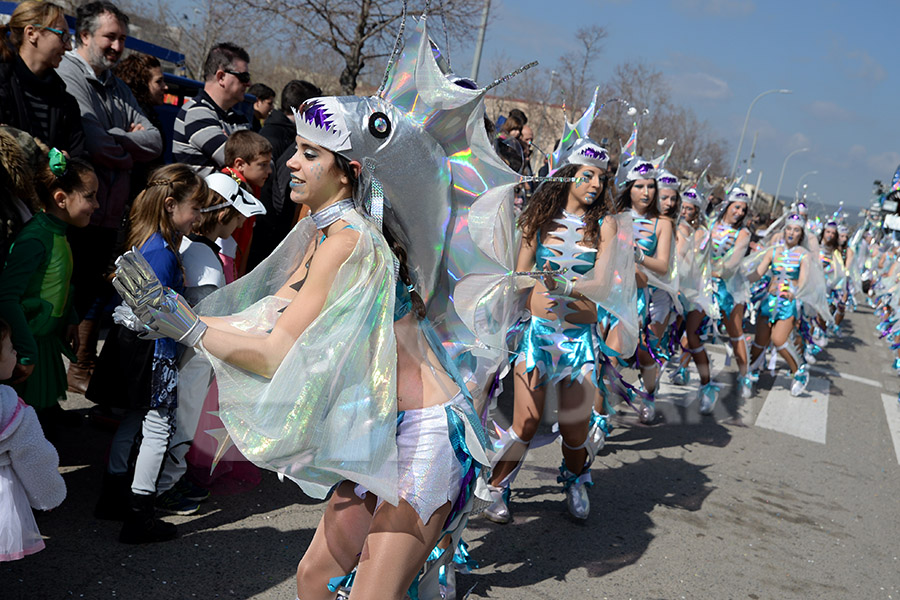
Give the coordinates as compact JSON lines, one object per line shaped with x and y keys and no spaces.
{"x":430,"y":472}
{"x":660,"y":305}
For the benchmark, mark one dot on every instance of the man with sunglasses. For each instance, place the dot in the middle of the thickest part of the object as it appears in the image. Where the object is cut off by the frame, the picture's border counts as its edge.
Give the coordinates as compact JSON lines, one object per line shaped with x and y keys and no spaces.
{"x":117,"y":137}
{"x":205,"y":121}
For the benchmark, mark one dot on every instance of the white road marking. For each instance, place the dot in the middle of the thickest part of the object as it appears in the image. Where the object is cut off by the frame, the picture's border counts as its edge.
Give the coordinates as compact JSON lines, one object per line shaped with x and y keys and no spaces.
{"x":892,"y":412}
{"x":805,"y":417}
{"x":685,"y":397}
{"x":849,"y":376}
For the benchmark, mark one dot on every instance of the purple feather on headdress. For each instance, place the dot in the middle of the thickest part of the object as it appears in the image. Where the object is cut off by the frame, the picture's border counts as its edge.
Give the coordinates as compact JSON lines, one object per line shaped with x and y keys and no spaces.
{"x":317,"y":115}
{"x":595,"y":154}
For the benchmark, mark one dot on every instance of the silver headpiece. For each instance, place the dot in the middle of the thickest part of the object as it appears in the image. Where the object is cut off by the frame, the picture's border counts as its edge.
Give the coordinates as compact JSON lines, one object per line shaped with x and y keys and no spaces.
{"x":575,"y":147}
{"x":795,"y":219}
{"x":633,"y":169}
{"x":665,"y":180}
{"x":586,"y":152}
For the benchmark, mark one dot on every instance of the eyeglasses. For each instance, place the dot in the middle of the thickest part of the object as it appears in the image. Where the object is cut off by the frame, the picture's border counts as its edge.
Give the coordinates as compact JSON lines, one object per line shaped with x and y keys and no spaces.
{"x":242,"y":76}
{"x":63,"y":35}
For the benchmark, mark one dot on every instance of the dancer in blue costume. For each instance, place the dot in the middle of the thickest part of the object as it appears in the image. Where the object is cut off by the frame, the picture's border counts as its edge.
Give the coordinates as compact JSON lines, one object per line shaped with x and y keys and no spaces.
{"x":567,"y":226}
{"x":696,"y":290}
{"x":563,"y":226}
{"x":728,"y":243}
{"x":654,"y":249}
{"x":788,"y":265}
{"x":327,"y":373}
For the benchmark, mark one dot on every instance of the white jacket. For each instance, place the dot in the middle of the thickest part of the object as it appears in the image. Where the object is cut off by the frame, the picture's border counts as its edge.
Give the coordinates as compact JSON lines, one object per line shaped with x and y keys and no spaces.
{"x":24,"y":447}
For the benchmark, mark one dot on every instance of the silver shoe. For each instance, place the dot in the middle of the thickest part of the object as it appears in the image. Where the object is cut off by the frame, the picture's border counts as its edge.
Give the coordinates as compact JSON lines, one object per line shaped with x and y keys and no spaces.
{"x":709,"y":393}
{"x":577,"y":500}
{"x":498,"y":512}
{"x":648,"y":411}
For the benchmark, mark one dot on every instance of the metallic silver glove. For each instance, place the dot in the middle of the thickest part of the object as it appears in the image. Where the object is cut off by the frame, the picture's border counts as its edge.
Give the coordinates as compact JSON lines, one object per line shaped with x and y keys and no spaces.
{"x":136,"y":281}
{"x":124,"y":316}
{"x":160,"y":309}
{"x":173,"y":318}
{"x":638,"y":255}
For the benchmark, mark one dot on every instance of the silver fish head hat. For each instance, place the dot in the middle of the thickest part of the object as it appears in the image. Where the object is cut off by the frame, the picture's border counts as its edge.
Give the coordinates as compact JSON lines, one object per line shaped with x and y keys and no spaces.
{"x":424,"y":154}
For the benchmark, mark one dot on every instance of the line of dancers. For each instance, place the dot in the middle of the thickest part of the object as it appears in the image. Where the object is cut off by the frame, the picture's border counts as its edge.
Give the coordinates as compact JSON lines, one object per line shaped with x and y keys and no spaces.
{"x":361,"y":359}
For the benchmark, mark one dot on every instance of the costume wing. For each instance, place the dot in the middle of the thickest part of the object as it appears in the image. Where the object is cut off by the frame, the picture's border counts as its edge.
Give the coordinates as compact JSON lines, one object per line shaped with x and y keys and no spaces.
{"x":329,"y":412}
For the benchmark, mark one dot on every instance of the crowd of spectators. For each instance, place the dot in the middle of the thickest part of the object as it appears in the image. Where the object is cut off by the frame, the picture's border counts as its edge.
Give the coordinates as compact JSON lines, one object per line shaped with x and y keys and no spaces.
{"x":83,"y":176}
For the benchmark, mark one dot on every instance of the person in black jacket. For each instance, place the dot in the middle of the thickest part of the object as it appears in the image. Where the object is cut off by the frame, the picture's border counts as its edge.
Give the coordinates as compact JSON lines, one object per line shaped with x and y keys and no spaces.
{"x":33,"y":97}
{"x":279,"y":129}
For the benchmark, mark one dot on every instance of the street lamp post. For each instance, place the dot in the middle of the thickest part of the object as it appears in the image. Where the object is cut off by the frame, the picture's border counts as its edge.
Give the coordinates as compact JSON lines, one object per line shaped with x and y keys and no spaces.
{"x":799,"y":181}
{"x":781,"y":178}
{"x":479,"y":45}
{"x":744,"y":130}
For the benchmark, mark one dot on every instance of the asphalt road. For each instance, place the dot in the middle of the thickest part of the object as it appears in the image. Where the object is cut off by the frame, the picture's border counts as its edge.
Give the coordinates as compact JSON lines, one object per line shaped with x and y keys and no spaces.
{"x":773,"y":498}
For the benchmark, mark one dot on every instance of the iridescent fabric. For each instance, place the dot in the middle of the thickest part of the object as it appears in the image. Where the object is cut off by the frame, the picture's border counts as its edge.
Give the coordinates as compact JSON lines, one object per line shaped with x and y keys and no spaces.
{"x":723,"y":297}
{"x":559,"y":350}
{"x":647,"y":239}
{"x":777,"y":308}
{"x":329,"y":412}
{"x":694,"y":281}
{"x":833,"y":268}
{"x":809,"y":287}
{"x":611,"y":285}
{"x":726,"y":256}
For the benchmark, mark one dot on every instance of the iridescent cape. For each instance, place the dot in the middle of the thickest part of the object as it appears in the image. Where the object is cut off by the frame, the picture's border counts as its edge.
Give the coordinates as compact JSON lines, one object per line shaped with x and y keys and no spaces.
{"x":812,"y":291}
{"x":729,"y":267}
{"x":329,"y":412}
{"x":668,"y":282}
{"x":694,"y":281}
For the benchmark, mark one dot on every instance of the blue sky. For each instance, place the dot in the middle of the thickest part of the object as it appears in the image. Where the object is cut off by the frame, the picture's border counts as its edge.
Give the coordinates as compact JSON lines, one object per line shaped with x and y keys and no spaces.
{"x":719,"y":54}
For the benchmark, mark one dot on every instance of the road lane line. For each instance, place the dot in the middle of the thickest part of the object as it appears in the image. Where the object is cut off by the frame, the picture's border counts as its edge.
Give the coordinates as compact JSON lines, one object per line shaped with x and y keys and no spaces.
{"x":805,"y":417}
{"x":848,"y":376}
{"x":892,"y":412}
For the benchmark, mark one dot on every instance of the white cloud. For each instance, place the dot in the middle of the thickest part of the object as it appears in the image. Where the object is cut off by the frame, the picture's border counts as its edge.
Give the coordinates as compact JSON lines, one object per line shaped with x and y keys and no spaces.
{"x":701,"y":86}
{"x":857,"y":152}
{"x":798,"y":140}
{"x":885,"y":163}
{"x":824,"y":109}
{"x":716,"y":8}
{"x":863,"y":66}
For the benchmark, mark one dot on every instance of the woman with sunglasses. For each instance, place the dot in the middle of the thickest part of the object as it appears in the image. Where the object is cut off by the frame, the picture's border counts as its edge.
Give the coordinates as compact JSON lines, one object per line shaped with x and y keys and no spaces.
{"x":33,"y":97}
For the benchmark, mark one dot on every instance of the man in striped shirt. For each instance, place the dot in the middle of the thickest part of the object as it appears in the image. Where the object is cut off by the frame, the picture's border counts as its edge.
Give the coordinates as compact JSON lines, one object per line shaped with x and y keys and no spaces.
{"x":205,"y":121}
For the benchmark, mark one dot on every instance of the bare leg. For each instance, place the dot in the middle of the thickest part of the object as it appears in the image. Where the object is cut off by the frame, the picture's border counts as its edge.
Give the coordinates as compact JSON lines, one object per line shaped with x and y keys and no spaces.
{"x":701,"y":359}
{"x":529,"y":407}
{"x":763,"y":335}
{"x":337,"y":543}
{"x":781,"y":332}
{"x":649,"y":370}
{"x":575,"y":401}
{"x":395,"y":549}
{"x":734,"y":325}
